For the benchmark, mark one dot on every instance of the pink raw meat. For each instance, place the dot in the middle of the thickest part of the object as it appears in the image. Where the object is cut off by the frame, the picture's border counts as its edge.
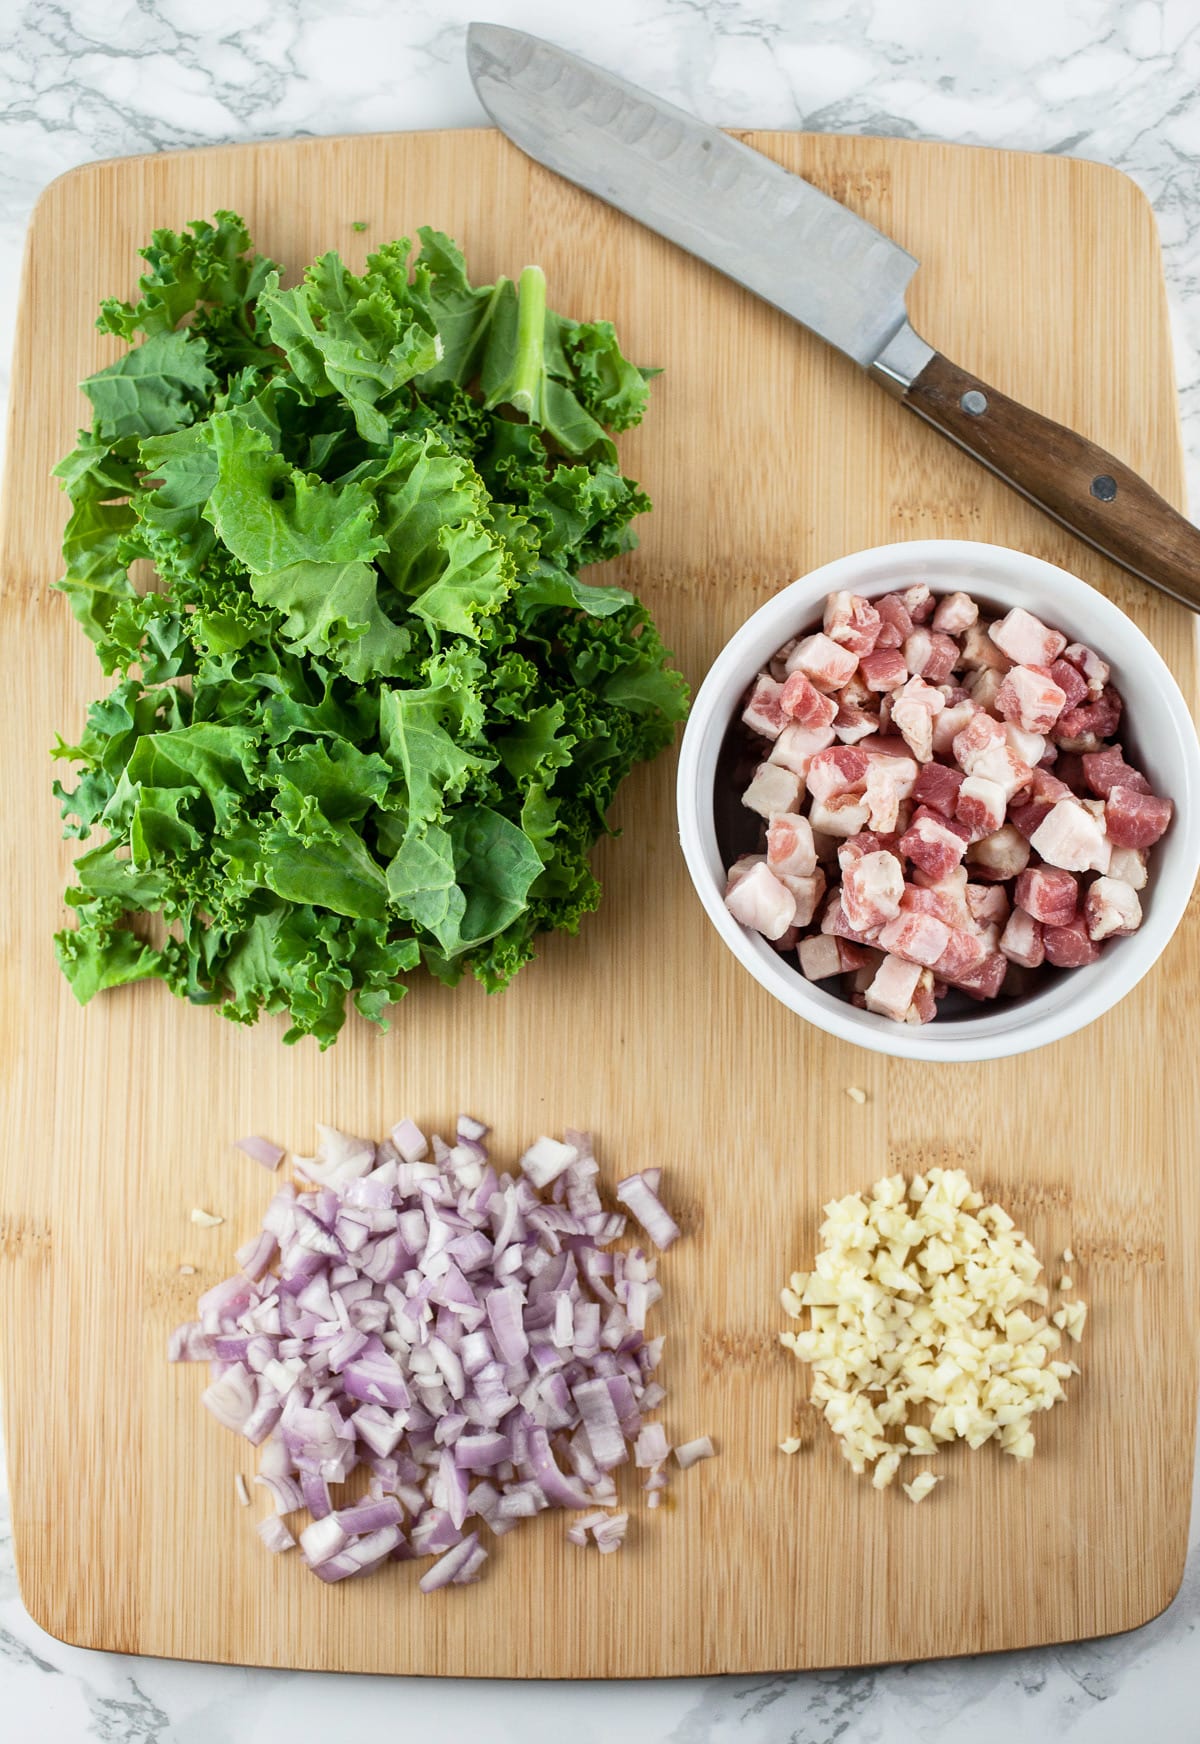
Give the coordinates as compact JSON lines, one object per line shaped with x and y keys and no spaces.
{"x":981,"y":805}
{"x":980,"y":735}
{"x":796,"y":747}
{"x":1026,"y":640}
{"x":852,"y":724}
{"x":790,"y":846}
{"x":1070,"y":681}
{"x":837,"y":770}
{"x":890,"y":781}
{"x":826,"y":662}
{"x":988,"y":903}
{"x":1068,"y":947}
{"x":1072,"y":837}
{"x":919,"y":601}
{"x":1030,"y":698}
{"x":890,"y":993}
{"x":895,"y":618}
{"x":954,"y":613}
{"x":962,"y":957}
{"x":1136,"y":820}
{"x":819,"y":959}
{"x":1049,"y":895}
{"x":937,"y":787}
{"x":950,"y":723}
{"x":763,"y":712}
{"x":1094,"y":671}
{"x":934,"y":843}
{"x":1106,"y":769}
{"x":1099,"y":719}
{"x":871,"y":890}
{"x":807,"y":890}
{"x":760,"y":901}
{"x":914,"y":706}
{"x":1001,"y":856}
{"x":1021,"y":940}
{"x":774,"y":789}
{"x":986,"y":980}
{"x":918,"y":938}
{"x":1111,"y":907}
{"x":804,"y":704}
{"x":885,"y":669}
{"x":852,"y":621}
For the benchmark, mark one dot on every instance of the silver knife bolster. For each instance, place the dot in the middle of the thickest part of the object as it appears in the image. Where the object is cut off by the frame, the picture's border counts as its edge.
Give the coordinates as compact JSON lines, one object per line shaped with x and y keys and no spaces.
{"x":901,"y":361}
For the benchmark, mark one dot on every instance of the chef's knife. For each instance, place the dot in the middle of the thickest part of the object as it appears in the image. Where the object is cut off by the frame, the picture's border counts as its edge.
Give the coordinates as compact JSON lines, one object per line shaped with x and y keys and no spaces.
{"x":834,"y":273}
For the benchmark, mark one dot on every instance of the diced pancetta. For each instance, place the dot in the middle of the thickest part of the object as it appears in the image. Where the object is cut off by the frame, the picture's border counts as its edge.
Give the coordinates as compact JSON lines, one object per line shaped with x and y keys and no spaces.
{"x":937,"y":787}
{"x":883,"y":670}
{"x":980,"y":734}
{"x":923,"y":1008}
{"x":790,"y":846}
{"x":804,"y":704}
{"x":989,"y":904}
{"x":819,"y":959}
{"x":1025,"y":639}
{"x":852,"y":621}
{"x":919,"y":600}
{"x":1001,"y":856}
{"x":1030,"y":699}
{"x":1070,"y":837}
{"x":1021,"y":940}
{"x":950,"y":723}
{"x":763,"y":713}
{"x":760,"y":901}
{"x":774,"y":789}
{"x":1111,"y":906}
{"x":837,"y":770}
{"x":890,"y":781}
{"x":1000,"y":763}
{"x":844,"y":814}
{"x":1077,"y":728}
{"x":1028,"y":748}
{"x":1048,"y":894}
{"x":954,"y":613}
{"x":871,"y":890}
{"x":963,"y":954}
{"x":807,"y":890}
{"x":826,"y":662}
{"x":914,"y":707}
{"x":918,"y":938}
{"x":987,"y":978}
{"x":796,"y":747}
{"x":978,"y":650}
{"x":891,"y":992}
{"x":896,"y":620}
{"x":981,"y":806}
{"x":1070,"y":681}
{"x":1106,"y":769}
{"x":934,"y":843}
{"x":984,"y":686}
{"x":1069,"y":947}
{"x":1129,"y":864}
{"x":1094,"y":671}
{"x":1135,"y":820}
{"x":852,"y":724}
{"x":746,"y":863}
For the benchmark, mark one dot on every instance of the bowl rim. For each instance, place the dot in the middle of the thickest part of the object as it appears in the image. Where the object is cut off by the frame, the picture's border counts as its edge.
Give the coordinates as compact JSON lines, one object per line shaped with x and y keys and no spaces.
{"x":1073,"y":1000}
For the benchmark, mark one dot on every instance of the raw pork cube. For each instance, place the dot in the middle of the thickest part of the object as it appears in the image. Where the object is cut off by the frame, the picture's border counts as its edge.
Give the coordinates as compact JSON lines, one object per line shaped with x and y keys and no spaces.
{"x":1111,"y":906}
{"x":854,"y":958}
{"x":1048,"y":894}
{"x":1027,"y":815}
{"x":1028,"y":748}
{"x":924,"y":1000}
{"x":819,"y":959}
{"x":954,"y":613}
{"x":981,"y":805}
{"x":796,"y":747}
{"x":852,"y":621}
{"x":1106,"y":769}
{"x":1025,"y":639}
{"x":891,"y":992}
{"x":987,"y":978}
{"x":1044,"y":784}
{"x":1094,"y":671}
{"x":896,"y":621}
{"x":835,"y":921}
{"x":984,"y":687}
{"x":914,"y":707}
{"x":1000,"y":763}
{"x":937,"y":787}
{"x":942,"y":657}
{"x":1135,"y":820}
{"x":1030,"y":698}
{"x":950,"y":723}
{"x":804,"y":704}
{"x":774,"y":789}
{"x":919,"y":601}
{"x":1072,"y":838}
{"x":760,"y":901}
{"x":1077,"y":727}
{"x":1068,"y":947}
{"x":855,"y":848}
{"x":837,"y":770}
{"x":763,"y":712}
{"x":871,"y":890}
{"x":826,"y":662}
{"x":1129,"y":864}
{"x":807,"y":891}
{"x":988,"y":903}
{"x":981,"y":734}
{"x":978,"y":650}
{"x":1070,"y":681}
{"x":918,"y":938}
{"x":962,"y":956}
{"x":885,"y":669}
{"x":1021,"y":940}
{"x":890,"y":780}
{"x":740,"y":867}
{"x":852,"y":724}
{"x":1003,"y":854}
{"x":790,"y":846}
{"x":844,"y":814}
{"x":933,"y":843}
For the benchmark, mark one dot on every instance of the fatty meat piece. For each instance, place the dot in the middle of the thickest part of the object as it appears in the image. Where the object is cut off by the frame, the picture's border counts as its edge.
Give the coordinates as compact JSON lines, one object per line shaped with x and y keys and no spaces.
{"x":836,"y":771}
{"x":804,"y":704}
{"x":852,"y":621}
{"x":1106,"y":769}
{"x":979,"y":650}
{"x":871,"y":890}
{"x":1071,"y":837}
{"x":819,"y":957}
{"x":790,"y":846}
{"x":895,"y":620}
{"x":889,"y":782}
{"x":1026,"y":640}
{"x":1094,"y":671}
{"x":807,"y":890}
{"x":1030,"y":699}
{"x":988,"y":904}
{"x":826,"y":662}
{"x":774,"y":789}
{"x":963,"y":954}
{"x":914,"y":706}
{"x":937,"y":787}
{"x":1001,"y":856}
{"x":918,"y":938}
{"x":980,"y":735}
{"x":929,"y":655}
{"x":852,"y":724}
{"x":891,"y":992}
{"x":1049,"y":895}
{"x":933,"y":843}
{"x":1135,"y":820}
{"x":986,"y":980}
{"x":884,"y":670}
{"x":760,"y":901}
{"x":763,"y":712}
{"x":1070,"y":681}
{"x":954,"y":613}
{"x":1069,"y":947}
{"x":1129,"y":864}
{"x":796,"y":747}
{"x":981,"y":806}
{"x":1021,"y":940}
{"x":1111,"y":907}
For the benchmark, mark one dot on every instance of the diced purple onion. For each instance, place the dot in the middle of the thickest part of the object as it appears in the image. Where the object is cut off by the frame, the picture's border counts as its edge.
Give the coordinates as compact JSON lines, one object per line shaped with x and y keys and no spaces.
{"x":690,"y":1451}
{"x":261,"y":1150}
{"x":642,"y":1201}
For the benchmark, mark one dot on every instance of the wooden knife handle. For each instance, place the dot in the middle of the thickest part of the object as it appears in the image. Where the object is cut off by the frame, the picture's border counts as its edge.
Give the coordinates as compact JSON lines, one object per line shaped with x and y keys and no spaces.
{"x":1074,"y":480}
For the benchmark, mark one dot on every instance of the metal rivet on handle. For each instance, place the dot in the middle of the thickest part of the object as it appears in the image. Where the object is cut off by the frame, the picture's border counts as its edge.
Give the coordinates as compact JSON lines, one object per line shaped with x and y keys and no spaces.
{"x":974,"y":402}
{"x":1104,"y":487}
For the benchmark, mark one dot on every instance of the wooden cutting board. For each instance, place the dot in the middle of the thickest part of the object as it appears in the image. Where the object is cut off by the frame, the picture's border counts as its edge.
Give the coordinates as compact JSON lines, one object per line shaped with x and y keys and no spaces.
{"x":765,"y":455}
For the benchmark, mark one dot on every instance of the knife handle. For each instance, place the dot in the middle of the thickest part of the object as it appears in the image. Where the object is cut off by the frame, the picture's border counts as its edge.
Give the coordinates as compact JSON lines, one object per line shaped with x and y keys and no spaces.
{"x":1074,"y":480}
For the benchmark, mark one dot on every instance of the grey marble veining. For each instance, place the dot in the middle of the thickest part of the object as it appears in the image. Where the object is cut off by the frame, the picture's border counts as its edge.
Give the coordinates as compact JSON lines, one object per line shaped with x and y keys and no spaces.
{"x":1114,"y":81}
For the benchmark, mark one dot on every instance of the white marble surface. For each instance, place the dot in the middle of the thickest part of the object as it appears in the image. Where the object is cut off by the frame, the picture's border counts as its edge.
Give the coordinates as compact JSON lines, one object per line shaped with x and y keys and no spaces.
{"x":1115,"y":80}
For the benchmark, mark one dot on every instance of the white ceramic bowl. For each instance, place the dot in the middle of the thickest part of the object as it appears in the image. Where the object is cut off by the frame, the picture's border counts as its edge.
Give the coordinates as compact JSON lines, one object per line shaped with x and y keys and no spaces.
{"x":1156,"y":730}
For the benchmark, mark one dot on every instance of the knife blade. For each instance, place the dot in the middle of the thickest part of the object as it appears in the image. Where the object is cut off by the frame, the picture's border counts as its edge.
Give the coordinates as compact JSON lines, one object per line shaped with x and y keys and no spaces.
{"x":834,"y":273}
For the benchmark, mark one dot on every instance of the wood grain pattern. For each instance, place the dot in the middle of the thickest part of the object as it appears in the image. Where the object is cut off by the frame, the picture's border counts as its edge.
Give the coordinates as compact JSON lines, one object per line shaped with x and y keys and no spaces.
{"x":765,"y":455}
{"x":1090,"y":491}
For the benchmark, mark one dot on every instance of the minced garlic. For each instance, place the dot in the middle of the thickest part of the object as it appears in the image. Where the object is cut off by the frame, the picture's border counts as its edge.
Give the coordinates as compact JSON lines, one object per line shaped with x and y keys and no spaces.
{"x":925,"y":1300}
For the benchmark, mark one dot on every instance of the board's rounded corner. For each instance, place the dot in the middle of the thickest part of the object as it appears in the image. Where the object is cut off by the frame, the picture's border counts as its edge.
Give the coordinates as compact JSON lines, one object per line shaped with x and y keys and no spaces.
{"x":60,"y":184}
{"x":1128,"y":185}
{"x":49,"y":1625}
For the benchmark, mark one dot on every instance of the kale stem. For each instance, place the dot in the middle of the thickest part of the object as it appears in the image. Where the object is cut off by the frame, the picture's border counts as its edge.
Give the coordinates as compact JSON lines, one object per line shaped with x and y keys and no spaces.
{"x":531,"y":335}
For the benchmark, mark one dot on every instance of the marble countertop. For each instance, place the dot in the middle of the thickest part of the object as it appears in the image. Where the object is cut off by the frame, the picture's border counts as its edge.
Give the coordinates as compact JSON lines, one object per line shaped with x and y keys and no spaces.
{"x":1115,"y":80}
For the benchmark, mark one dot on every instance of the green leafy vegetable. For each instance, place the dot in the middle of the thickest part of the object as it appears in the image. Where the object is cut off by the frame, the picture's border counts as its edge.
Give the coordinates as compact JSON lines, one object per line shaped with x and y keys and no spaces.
{"x":368,"y":716}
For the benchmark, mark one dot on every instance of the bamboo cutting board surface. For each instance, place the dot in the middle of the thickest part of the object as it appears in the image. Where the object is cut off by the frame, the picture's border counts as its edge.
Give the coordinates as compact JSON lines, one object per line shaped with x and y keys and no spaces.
{"x":765,"y":455}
